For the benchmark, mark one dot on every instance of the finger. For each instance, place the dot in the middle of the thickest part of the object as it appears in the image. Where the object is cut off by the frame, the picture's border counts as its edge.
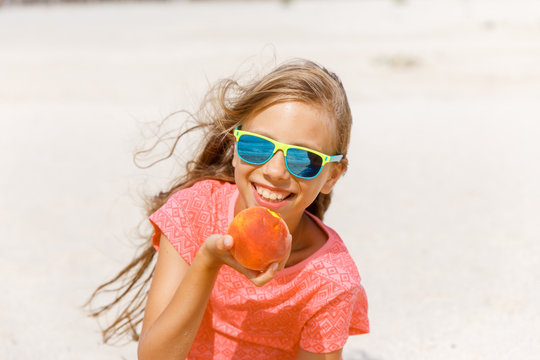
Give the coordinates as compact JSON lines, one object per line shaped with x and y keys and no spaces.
{"x":232,"y":262}
{"x":266,"y":276}
{"x":284,"y":261}
{"x":226,"y":243}
{"x":259,"y":278}
{"x":219,"y":243}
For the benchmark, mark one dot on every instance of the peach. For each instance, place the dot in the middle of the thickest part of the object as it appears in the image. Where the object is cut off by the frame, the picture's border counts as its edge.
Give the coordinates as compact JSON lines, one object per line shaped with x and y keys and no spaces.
{"x":261,"y":237}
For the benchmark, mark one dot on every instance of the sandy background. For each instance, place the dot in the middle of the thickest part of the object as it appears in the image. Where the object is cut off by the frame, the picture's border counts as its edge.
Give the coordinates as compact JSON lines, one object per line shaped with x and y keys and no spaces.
{"x":440,"y":208}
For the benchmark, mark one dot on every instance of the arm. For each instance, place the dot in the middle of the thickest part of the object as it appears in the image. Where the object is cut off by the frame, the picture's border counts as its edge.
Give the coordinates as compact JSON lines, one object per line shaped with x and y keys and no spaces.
{"x":306,"y":355}
{"x":176,"y":302}
{"x":179,"y":294}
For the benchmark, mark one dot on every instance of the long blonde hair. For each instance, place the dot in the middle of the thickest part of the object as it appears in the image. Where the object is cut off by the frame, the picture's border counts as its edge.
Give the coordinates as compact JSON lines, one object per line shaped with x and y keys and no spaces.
{"x":227,"y":105}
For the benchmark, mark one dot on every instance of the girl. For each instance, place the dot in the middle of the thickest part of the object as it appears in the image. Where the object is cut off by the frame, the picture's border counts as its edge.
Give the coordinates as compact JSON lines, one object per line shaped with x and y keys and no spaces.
{"x":279,"y":142}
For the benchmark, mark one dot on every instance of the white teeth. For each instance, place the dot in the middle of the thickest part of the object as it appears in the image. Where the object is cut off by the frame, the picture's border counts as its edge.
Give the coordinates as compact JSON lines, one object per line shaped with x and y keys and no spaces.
{"x":269,"y":195}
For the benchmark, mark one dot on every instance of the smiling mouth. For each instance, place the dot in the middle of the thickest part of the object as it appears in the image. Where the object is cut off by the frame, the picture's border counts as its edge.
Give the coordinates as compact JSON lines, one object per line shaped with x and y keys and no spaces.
{"x":272,"y":195}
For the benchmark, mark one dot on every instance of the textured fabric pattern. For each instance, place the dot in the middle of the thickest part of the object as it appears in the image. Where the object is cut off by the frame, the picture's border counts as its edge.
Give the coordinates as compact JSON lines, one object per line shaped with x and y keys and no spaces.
{"x":315,"y":304}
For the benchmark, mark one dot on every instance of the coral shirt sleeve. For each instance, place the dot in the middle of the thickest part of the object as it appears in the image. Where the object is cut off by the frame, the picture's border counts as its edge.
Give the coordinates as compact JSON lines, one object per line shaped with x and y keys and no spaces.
{"x":330,"y":327}
{"x":183,"y":217}
{"x":360,"y":320}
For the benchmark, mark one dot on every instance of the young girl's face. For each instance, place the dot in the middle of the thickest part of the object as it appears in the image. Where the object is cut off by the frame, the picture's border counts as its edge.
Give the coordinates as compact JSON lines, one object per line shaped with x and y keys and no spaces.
{"x":271,"y":184}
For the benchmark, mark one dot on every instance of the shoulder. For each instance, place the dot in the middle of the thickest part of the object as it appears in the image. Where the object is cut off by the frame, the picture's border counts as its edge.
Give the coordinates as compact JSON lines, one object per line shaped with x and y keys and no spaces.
{"x":187,"y":202}
{"x":204,"y":190}
{"x":330,"y":273}
{"x":193,"y":213}
{"x":339,"y":291}
{"x":343,"y":282}
{"x":336,"y":294}
{"x":333,"y":262}
{"x":201,"y":203}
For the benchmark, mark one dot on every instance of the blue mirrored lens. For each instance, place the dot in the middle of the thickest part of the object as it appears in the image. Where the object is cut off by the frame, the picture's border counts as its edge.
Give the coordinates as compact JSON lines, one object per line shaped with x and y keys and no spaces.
{"x":303,"y":163}
{"x":254,"y":150}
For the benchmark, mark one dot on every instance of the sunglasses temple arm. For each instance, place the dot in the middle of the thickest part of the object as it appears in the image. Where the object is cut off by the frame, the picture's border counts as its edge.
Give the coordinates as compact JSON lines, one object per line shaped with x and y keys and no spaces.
{"x":335,"y":158}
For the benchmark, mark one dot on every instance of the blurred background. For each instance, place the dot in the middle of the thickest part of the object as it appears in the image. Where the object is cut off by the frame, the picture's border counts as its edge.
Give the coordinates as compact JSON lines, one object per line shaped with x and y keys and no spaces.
{"x":439,"y":208}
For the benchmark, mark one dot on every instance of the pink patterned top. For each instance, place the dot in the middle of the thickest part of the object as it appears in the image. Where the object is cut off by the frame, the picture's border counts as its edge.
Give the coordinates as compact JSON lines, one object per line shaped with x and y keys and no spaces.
{"x":315,"y":304}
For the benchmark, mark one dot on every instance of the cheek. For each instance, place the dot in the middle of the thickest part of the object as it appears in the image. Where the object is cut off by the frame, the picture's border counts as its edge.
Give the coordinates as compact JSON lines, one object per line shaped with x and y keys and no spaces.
{"x":329,"y":180}
{"x":317,"y":185}
{"x":311,"y":188}
{"x":241,"y":169}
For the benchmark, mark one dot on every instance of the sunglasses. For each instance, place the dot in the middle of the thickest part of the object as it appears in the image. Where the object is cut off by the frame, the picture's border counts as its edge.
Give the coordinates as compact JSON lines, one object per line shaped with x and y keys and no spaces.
{"x":302,"y":162}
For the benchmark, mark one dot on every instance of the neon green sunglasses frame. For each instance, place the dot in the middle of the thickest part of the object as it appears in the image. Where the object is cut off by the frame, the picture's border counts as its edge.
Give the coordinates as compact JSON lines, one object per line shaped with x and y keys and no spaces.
{"x":284,"y":147}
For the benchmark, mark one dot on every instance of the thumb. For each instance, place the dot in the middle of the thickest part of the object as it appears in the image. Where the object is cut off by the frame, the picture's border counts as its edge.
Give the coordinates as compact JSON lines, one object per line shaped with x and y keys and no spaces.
{"x":228,"y":242}
{"x":223,"y":243}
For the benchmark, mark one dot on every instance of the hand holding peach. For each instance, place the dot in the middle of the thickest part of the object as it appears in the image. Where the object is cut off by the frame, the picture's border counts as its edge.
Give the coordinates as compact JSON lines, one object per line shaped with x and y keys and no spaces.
{"x":261,"y":237}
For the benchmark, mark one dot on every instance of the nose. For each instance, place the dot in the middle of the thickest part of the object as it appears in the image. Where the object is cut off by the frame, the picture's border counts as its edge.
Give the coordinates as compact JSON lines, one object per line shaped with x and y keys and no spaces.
{"x":275,"y":168}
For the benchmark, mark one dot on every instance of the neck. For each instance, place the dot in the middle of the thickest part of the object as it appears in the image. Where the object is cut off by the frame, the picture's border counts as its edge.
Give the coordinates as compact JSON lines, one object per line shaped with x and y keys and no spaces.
{"x":298,"y":233}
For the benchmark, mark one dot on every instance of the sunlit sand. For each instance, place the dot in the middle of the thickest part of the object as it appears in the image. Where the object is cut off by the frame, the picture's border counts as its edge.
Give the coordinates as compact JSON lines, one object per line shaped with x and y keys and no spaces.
{"x":440,"y":205}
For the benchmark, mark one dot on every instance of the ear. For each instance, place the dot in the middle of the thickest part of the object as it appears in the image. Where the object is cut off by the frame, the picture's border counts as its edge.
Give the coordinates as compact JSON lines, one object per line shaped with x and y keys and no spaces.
{"x":335,"y":173}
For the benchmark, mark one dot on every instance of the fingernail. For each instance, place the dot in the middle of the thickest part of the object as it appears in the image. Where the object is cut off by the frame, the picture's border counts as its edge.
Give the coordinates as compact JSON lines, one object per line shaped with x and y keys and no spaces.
{"x":227,"y":240}
{"x":274,"y":267}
